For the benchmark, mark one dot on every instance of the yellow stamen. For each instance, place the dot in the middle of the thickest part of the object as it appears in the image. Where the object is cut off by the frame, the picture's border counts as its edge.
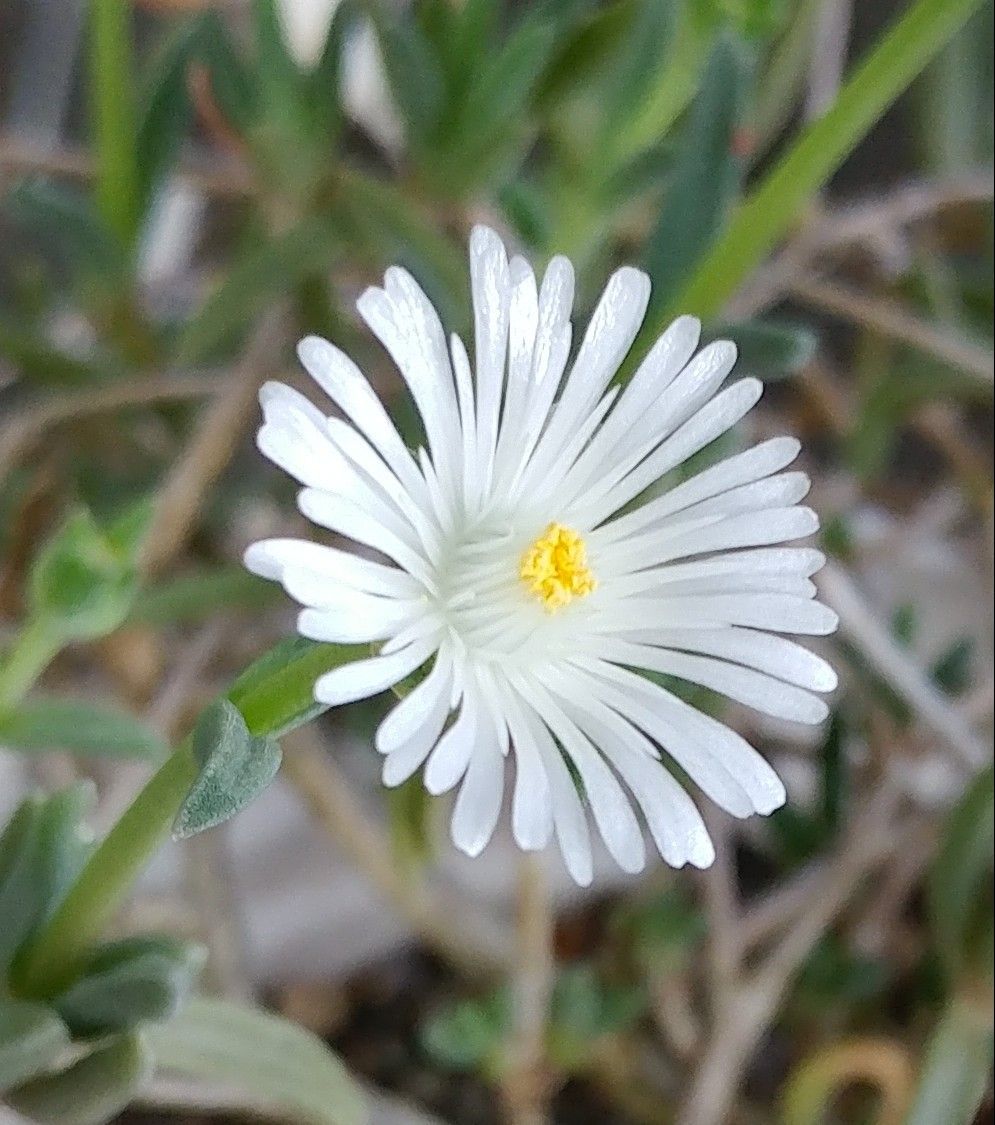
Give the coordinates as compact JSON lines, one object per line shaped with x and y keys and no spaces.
{"x":555,"y":568}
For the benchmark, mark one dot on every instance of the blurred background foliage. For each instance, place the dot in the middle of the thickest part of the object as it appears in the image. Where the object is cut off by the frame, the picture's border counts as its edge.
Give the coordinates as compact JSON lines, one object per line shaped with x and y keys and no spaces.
{"x":185,"y":188}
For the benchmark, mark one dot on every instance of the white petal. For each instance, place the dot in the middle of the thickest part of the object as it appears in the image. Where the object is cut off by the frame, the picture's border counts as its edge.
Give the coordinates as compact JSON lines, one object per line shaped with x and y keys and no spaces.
{"x":532,"y":804}
{"x":355,"y":620}
{"x":612,"y":811}
{"x":764,"y":651}
{"x":314,"y":574}
{"x":710,"y":422}
{"x":340,"y":514}
{"x":745,"y":685}
{"x":348,"y":388}
{"x":451,"y":756}
{"x":419,"y":709}
{"x":568,"y":813}
{"x":363,"y":678}
{"x":675,"y":824}
{"x":478,"y":805}
{"x":490,"y":284}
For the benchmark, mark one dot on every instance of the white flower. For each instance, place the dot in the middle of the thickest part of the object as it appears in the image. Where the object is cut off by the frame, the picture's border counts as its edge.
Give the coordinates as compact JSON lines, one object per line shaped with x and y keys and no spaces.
{"x":511,"y":572}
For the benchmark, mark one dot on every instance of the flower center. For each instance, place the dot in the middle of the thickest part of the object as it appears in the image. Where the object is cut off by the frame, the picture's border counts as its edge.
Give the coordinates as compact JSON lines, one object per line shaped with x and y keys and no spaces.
{"x":555,"y":568}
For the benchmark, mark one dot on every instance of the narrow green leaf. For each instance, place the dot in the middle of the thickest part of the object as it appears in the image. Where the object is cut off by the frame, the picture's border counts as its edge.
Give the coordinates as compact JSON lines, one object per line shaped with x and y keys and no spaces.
{"x":776,"y":202}
{"x":498,"y":96}
{"x":235,"y":768}
{"x":260,"y":272}
{"x":191,"y":597}
{"x":112,"y":116}
{"x":287,"y":1068}
{"x":586,"y":50}
{"x":276,"y":693}
{"x":705,"y":177}
{"x":414,"y":73}
{"x":43,"y":849}
{"x":675,"y":84}
{"x":165,"y":112}
{"x":647,"y":46}
{"x":232,"y":85}
{"x":50,"y":723}
{"x":955,"y":1071}
{"x":92,"y":1091}
{"x":69,"y":228}
{"x":133,"y":981}
{"x":32,"y":1037}
{"x":960,"y":884}
{"x":323,"y":83}
{"x":768,"y":349}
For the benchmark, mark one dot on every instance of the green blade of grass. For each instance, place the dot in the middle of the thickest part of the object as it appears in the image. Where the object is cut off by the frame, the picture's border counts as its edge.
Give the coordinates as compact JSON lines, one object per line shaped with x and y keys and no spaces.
{"x":767,"y":213}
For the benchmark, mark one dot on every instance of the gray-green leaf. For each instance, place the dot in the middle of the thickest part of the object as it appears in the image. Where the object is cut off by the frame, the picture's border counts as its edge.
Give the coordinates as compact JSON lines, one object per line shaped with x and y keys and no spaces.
{"x":129,"y":982}
{"x":286,"y":1067}
{"x":31,"y":1039}
{"x":48,"y":723}
{"x":91,"y":1091}
{"x":235,"y":767}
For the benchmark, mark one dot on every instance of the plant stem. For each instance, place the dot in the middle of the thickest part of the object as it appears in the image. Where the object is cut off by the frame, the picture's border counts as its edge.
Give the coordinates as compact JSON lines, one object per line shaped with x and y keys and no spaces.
{"x":56,"y":954}
{"x":33,"y":649}
{"x":113,"y":116}
{"x":773,"y":206}
{"x":526,"y":1084}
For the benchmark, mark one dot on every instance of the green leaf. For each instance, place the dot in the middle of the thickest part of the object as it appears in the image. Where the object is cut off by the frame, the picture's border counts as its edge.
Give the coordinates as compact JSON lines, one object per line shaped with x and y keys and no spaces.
{"x":397,"y":231}
{"x":774,"y":205}
{"x":165,"y":112}
{"x":497,"y":101}
{"x":44,"y":364}
{"x":132,"y":981}
{"x":960,"y":884}
{"x":84,"y":580}
{"x":276,"y":693}
{"x":112,"y":116}
{"x":705,"y":178}
{"x":955,"y":1071}
{"x":51,"y":723}
{"x":414,"y":72}
{"x":468,"y":1034}
{"x":586,"y":50}
{"x":42,"y":850}
{"x":232,"y":85}
{"x":32,"y":1037}
{"x":91,"y":1091}
{"x":287,"y":1068}
{"x":191,"y":597}
{"x":235,"y":768}
{"x":324,"y":81}
{"x":648,"y":42}
{"x":67,"y":225}
{"x":252,"y":279}
{"x":768,"y":349}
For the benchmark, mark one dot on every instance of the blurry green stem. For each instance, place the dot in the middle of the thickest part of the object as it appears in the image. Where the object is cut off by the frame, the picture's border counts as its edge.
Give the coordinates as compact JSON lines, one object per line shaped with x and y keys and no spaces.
{"x":112,"y":115}
{"x":115,"y":865}
{"x":765,"y":215}
{"x":32,"y":651}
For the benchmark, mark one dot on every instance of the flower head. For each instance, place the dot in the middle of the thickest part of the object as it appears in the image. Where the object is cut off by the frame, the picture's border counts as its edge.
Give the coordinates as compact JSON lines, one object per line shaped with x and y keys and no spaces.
{"x":523,"y":566}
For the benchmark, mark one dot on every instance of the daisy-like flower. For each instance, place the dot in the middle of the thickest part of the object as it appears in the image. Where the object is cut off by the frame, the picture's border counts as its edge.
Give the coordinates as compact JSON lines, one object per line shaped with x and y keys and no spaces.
{"x":524,"y":568}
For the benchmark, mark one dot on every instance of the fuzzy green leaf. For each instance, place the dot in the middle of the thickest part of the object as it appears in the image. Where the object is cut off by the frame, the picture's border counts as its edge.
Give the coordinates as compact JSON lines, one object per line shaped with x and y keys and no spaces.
{"x":235,"y":768}
{"x":49,"y":723}
{"x":32,"y":1037}
{"x":129,"y":982}
{"x":288,"y":1069}
{"x":91,"y":1091}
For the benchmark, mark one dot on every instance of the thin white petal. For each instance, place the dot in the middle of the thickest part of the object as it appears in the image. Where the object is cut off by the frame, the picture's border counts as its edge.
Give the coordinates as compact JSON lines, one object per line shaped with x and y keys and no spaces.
{"x":363,"y":678}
